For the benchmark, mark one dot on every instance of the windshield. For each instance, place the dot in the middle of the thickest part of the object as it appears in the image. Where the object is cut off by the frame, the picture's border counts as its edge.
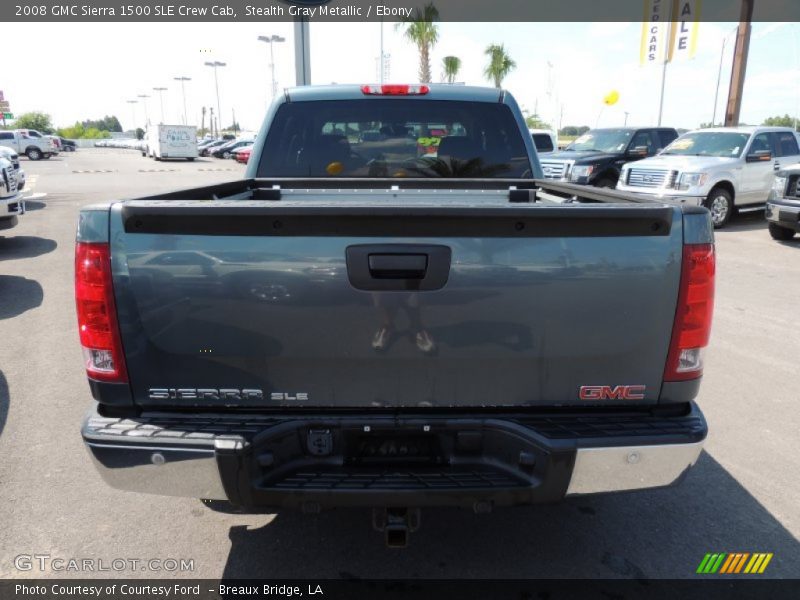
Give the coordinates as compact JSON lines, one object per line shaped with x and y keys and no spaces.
{"x":394,"y":137}
{"x":709,"y":143}
{"x":602,"y":140}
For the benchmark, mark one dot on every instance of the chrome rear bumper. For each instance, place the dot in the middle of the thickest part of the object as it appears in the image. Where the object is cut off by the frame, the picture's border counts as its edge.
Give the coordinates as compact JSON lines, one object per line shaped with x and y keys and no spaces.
{"x":266,"y":462}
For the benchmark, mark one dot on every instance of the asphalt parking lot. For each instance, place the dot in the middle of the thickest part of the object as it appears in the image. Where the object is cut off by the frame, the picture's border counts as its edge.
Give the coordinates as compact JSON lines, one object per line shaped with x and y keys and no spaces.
{"x":741,"y":497}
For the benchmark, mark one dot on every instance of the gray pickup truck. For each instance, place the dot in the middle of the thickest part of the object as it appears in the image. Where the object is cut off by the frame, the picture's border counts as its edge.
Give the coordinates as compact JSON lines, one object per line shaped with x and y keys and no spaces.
{"x":391,"y":321}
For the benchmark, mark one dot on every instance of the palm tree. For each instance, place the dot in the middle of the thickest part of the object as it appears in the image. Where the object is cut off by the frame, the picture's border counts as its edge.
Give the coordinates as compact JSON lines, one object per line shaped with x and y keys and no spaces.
{"x":451,"y":66}
{"x":421,"y":30}
{"x":500,"y":64}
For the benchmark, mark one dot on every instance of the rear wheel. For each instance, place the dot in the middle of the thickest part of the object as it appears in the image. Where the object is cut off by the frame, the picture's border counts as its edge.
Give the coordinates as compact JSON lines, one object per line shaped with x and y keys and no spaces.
{"x":33,"y":154}
{"x":780,"y":233}
{"x":720,"y":204}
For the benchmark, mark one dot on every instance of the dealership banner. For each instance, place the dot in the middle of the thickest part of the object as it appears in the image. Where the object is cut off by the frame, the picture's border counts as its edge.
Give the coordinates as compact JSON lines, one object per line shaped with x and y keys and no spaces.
{"x":669,"y":31}
{"x":655,"y":32}
{"x":684,"y":30}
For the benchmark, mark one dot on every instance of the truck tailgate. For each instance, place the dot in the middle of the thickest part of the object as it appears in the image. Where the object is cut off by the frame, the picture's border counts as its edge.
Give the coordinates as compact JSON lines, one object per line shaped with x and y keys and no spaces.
{"x":267,"y":304}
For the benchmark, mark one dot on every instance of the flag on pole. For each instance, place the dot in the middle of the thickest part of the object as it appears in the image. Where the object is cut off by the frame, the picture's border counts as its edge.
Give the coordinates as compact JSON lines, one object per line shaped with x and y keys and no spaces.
{"x":655,"y":35}
{"x":686,"y":23}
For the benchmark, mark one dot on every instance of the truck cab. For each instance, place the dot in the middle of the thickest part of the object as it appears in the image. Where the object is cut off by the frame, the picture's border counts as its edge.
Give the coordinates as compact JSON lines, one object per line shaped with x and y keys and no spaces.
{"x":597,"y":157}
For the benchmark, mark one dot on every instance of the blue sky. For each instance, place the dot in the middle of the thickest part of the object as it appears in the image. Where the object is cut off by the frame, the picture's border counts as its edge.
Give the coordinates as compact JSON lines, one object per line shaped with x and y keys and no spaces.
{"x":112,"y":62}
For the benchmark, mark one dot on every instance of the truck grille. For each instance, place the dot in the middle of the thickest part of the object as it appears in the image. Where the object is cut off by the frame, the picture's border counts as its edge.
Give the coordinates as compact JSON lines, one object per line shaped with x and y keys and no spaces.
{"x":651,"y":178}
{"x":794,"y":186}
{"x":555,"y":169}
{"x":10,"y":179}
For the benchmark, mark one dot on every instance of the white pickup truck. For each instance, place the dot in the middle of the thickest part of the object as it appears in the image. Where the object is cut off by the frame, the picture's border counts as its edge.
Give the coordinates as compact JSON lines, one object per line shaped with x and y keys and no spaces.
{"x":29,"y":142}
{"x":723,"y":169}
{"x":11,"y":203}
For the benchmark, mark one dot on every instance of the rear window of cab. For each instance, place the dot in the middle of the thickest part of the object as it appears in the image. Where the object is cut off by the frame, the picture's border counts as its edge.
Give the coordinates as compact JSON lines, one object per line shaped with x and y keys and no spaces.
{"x":390,"y":137}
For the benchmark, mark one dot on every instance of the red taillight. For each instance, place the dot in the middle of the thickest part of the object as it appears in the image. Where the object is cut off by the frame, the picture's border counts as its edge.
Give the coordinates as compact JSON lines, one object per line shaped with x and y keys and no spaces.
{"x":97,"y":315}
{"x":394,"y":89}
{"x":692,"y":326}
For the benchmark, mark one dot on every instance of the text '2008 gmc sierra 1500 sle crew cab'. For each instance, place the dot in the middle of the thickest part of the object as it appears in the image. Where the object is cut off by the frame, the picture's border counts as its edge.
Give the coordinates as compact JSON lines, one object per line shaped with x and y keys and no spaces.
{"x":362,"y":322}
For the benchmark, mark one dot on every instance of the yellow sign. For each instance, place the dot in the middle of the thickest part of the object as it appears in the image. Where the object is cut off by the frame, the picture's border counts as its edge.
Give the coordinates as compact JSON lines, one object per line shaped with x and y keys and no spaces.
{"x":669,"y":30}
{"x":655,"y":26}
{"x":683,"y":35}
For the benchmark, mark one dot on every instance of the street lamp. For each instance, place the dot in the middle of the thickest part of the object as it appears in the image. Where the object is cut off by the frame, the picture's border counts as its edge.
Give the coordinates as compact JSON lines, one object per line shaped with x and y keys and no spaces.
{"x":270,"y":39}
{"x":216,"y":64}
{"x":161,"y":91}
{"x":144,"y":98}
{"x":183,"y":79}
{"x":719,"y":73}
{"x":133,"y":113}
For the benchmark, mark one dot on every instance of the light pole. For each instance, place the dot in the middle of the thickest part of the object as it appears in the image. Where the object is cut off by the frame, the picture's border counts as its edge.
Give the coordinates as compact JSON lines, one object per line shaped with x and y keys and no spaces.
{"x":161,"y":91}
{"x":144,"y":98}
{"x":719,"y":74}
{"x":271,"y":39}
{"x":183,"y":79}
{"x":214,"y":65}
{"x":626,"y":119}
{"x":133,"y":113}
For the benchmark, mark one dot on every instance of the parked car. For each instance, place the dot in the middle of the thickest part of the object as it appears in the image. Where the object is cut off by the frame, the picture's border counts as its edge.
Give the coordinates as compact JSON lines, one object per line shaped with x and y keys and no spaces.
{"x":31,"y":143}
{"x":66,"y":145}
{"x":242,"y":154}
{"x":12,"y":205}
{"x":222,"y":358}
{"x":724,"y":169}
{"x":783,"y":206}
{"x":13,"y":158}
{"x":545,"y":140}
{"x":207,"y":149}
{"x":596,"y":157}
{"x":226,"y":150}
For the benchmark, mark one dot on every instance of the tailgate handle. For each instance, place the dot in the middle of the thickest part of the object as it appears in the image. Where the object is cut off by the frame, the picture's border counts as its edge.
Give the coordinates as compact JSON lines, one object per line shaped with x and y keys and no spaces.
{"x":398,"y":266}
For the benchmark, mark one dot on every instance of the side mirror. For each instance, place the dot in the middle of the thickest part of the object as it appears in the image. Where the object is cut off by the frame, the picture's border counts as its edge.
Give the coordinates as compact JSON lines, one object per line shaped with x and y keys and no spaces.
{"x":638,"y":152}
{"x":759,"y":156}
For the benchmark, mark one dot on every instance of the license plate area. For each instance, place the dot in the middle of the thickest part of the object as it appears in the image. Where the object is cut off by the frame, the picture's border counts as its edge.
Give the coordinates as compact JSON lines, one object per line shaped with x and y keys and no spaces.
{"x":392,"y":448}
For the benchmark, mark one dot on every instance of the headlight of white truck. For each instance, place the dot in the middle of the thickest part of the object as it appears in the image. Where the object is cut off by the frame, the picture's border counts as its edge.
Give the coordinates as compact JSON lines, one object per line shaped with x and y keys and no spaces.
{"x":579,"y":171}
{"x":779,"y":186}
{"x":690,"y":180}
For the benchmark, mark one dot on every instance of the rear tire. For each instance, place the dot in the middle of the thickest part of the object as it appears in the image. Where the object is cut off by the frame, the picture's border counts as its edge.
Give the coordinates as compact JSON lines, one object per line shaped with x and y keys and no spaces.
{"x":33,"y":154}
{"x":782,"y":234}
{"x":720,"y":205}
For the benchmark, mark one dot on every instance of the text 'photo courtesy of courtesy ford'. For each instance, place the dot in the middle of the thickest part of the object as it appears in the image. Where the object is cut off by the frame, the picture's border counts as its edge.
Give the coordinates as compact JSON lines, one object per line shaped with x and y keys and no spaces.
{"x":395,"y":309}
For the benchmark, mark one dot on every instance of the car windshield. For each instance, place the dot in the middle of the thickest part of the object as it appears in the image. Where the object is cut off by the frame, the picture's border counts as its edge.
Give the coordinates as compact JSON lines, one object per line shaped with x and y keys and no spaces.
{"x":602,"y":140}
{"x":709,"y":143}
{"x":394,"y":137}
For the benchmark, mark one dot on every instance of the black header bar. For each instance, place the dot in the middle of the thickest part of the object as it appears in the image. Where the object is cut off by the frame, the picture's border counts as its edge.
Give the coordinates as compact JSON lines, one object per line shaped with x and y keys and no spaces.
{"x":17,"y":11}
